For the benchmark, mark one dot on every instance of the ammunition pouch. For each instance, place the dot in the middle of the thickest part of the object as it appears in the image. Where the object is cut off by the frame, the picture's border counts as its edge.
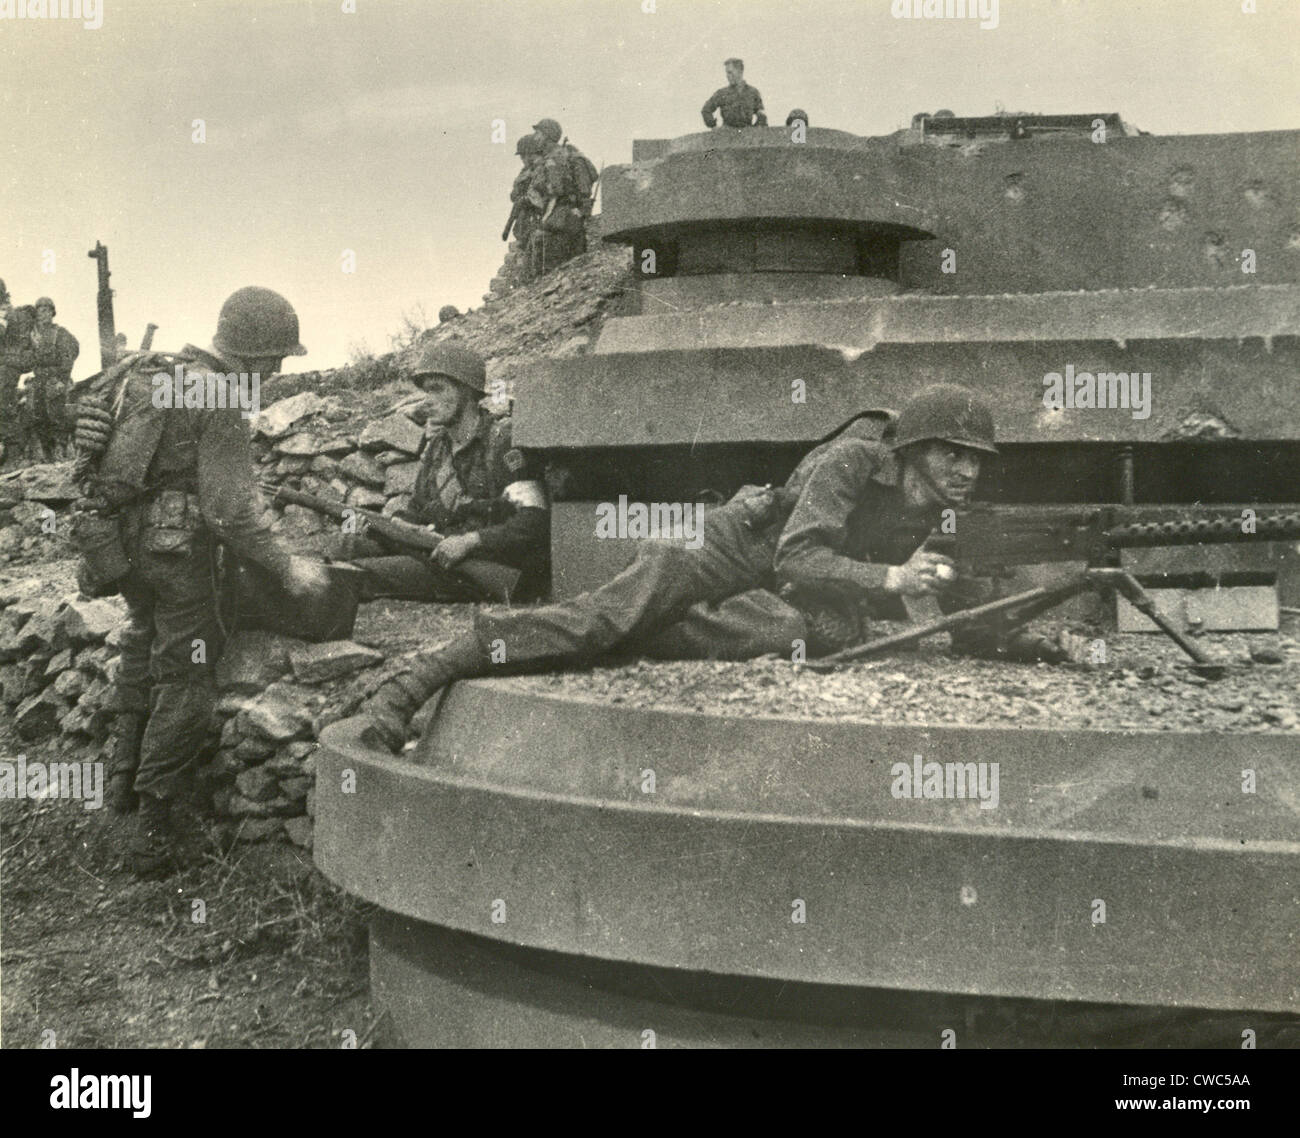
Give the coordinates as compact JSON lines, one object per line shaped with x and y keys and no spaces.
{"x":172,"y":521}
{"x":563,"y":218}
{"x":97,"y":537}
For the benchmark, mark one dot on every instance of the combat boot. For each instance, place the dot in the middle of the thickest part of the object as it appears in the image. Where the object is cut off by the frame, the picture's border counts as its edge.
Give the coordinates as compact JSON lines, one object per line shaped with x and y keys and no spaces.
{"x":390,"y":709}
{"x":128,"y":730}
{"x":151,"y":852}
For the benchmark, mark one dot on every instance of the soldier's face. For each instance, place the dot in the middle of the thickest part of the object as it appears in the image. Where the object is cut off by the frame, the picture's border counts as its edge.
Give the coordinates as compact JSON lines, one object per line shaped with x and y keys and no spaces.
{"x":733,"y":73}
{"x":44,"y":316}
{"x":444,"y":399}
{"x":948,"y":472}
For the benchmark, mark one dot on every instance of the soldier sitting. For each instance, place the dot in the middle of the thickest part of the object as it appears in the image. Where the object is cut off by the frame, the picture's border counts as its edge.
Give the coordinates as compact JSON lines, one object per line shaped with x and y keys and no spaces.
{"x":739,"y":104}
{"x":471,"y":485}
{"x":844,"y":537}
{"x":55,"y":350}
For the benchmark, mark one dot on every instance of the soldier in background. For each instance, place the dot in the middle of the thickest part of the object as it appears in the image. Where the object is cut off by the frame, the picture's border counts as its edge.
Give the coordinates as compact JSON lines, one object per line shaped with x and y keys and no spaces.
{"x":471,"y":485}
{"x":846,"y":533}
{"x":178,"y":481}
{"x":524,"y":214}
{"x":739,"y":104}
{"x":797,"y":115}
{"x":16,"y":357}
{"x":560,"y":190}
{"x":55,"y":350}
{"x":448,"y":312}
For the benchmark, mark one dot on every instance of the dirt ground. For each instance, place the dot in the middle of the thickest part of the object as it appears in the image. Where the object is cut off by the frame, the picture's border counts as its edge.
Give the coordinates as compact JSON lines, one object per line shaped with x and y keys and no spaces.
{"x":279,"y":958}
{"x":101,"y":960}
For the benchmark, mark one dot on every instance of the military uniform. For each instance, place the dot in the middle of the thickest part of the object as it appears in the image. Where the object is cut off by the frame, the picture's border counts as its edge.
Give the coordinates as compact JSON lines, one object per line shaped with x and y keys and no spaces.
{"x":848,"y":528}
{"x":741,"y":106}
{"x":560,"y":233}
{"x":458,"y":490}
{"x":16,"y":357}
{"x":671,"y":602}
{"x":54,"y":351}
{"x":830,"y":535}
{"x":715,"y":601}
{"x":526,"y":219}
{"x":196,"y":488}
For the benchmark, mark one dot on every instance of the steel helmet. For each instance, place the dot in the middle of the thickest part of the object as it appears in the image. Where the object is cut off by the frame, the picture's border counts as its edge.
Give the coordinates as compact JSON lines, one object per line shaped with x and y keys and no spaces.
{"x":797,"y":113}
{"x":549,"y":128}
{"x":46,"y":302}
{"x":257,"y":322}
{"x":948,"y":413}
{"x":453,"y":360}
{"x":447,"y":312}
{"x":527,"y":146}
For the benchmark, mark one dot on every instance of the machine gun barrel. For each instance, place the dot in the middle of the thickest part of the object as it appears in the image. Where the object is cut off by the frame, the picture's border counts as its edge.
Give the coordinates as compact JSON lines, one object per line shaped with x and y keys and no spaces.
{"x":1214,"y":525}
{"x":987,"y":538}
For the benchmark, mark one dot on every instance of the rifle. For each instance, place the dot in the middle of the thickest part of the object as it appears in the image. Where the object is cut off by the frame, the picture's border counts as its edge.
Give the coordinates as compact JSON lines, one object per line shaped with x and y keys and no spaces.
{"x":147,"y":342}
{"x":104,"y":299}
{"x":989,"y":540}
{"x":510,"y":222}
{"x":494,"y":580}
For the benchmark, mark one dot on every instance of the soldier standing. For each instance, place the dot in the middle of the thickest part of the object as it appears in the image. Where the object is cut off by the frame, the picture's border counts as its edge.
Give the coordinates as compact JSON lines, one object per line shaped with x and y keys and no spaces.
{"x":846,"y":532}
{"x":55,"y":350}
{"x":471,"y":485}
{"x":16,"y":357}
{"x":523,"y":213}
{"x":739,"y":104}
{"x":561,"y":192}
{"x":178,"y":481}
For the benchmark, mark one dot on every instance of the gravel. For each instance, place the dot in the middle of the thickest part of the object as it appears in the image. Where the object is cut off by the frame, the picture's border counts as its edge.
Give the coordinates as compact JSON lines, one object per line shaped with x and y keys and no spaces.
{"x":1145,"y":687}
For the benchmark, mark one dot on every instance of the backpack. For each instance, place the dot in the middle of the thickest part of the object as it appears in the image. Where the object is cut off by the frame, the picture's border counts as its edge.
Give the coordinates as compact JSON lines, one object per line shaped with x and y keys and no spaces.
{"x":583,"y":174}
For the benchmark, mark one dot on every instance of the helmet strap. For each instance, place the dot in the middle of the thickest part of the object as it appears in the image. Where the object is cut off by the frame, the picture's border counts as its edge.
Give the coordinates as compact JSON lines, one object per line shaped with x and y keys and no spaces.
{"x":923,"y":474}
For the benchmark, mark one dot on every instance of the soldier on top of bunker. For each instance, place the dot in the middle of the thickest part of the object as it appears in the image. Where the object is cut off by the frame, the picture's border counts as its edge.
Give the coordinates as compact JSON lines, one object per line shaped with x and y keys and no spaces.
{"x":739,"y":104}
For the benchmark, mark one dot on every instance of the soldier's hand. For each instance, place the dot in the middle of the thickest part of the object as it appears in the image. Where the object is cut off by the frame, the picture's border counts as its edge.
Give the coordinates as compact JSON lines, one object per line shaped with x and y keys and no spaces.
{"x":94,"y":426}
{"x":305,"y":577}
{"x":453,"y":550}
{"x":923,"y":572}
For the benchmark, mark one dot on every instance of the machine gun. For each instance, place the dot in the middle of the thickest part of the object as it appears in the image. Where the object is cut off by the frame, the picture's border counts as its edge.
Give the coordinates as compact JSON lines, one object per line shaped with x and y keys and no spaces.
{"x":104,"y":304}
{"x":496,"y":581}
{"x":990,"y":540}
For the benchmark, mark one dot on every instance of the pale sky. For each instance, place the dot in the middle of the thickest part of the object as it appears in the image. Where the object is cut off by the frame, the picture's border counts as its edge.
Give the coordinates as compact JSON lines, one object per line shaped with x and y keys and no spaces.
{"x":371,"y":131}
